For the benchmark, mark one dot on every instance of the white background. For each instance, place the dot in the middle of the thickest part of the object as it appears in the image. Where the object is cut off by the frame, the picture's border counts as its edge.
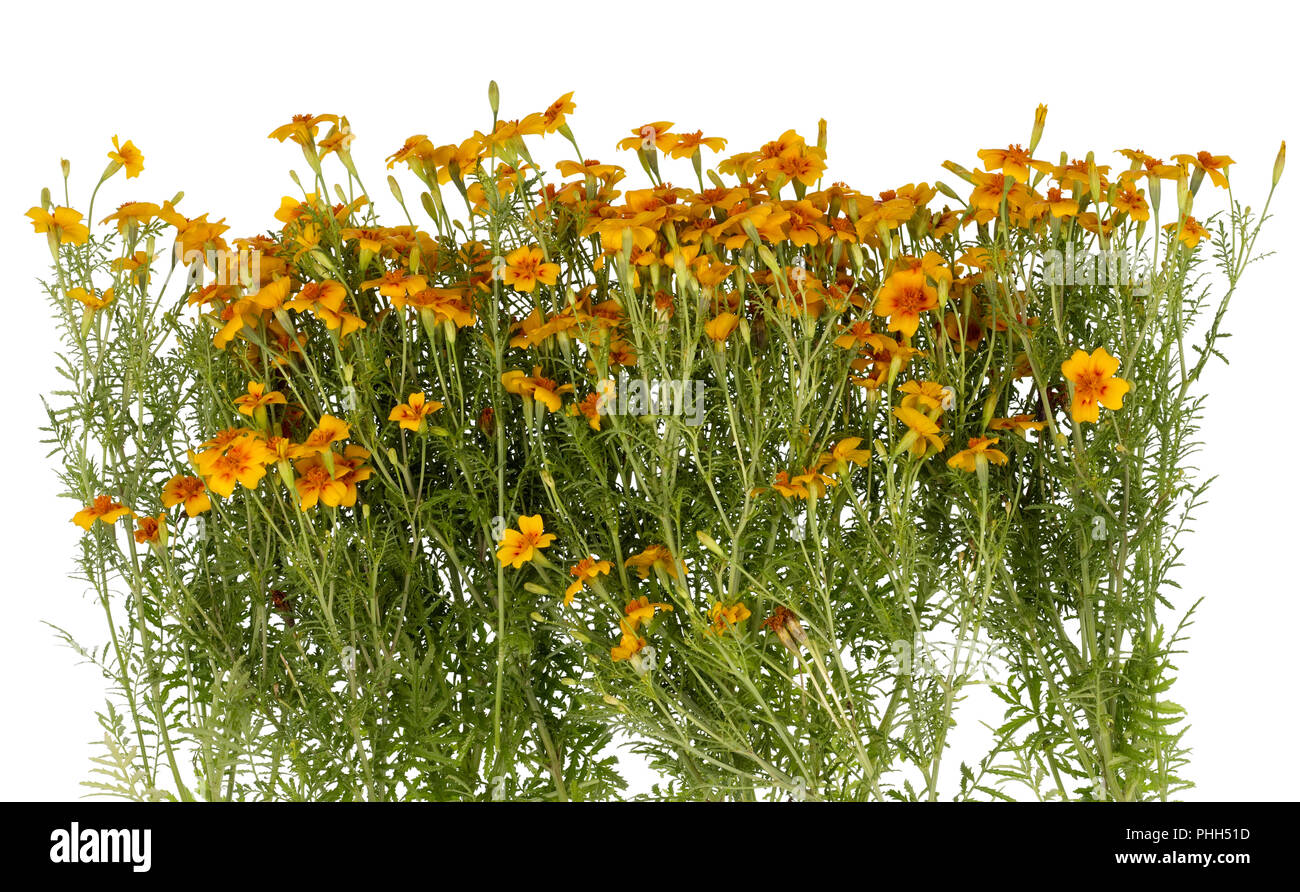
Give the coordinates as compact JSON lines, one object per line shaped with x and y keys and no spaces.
{"x":904,"y":87}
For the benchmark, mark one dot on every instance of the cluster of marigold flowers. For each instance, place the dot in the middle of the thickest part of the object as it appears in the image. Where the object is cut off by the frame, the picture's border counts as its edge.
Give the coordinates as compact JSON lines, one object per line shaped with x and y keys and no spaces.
{"x":754,"y":202}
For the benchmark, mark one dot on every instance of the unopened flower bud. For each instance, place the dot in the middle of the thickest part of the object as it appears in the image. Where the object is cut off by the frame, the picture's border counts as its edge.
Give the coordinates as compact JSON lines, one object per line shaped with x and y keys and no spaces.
{"x":1040,"y":118}
{"x":709,"y":542}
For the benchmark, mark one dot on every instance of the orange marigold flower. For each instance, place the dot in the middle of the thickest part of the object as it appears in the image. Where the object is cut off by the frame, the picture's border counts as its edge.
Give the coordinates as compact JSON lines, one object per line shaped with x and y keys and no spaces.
{"x":102,"y":509}
{"x":152,"y":530}
{"x":1190,"y":233}
{"x":317,"y":484}
{"x":1095,"y":384}
{"x":257,"y":397}
{"x":639,"y":612}
{"x":65,"y":223}
{"x":128,"y":156}
{"x":1013,"y":161}
{"x":187,"y":491}
{"x":787,"y":487}
{"x":132,"y":213}
{"x":585,"y":570}
{"x":302,"y":129}
{"x":1021,"y":424}
{"x":91,"y":300}
{"x":656,"y":556}
{"x":525,"y":267}
{"x":922,"y":435}
{"x":903,"y":297}
{"x":410,"y":415}
{"x":654,"y":135}
{"x":328,"y":430}
{"x":350,"y":468}
{"x":553,"y":117}
{"x":724,"y":617}
{"x":978,"y":450}
{"x":627,"y":646}
{"x":720,"y":327}
{"x":846,"y":451}
{"x":243,"y":461}
{"x":519,"y":546}
{"x":1214,"y":165}
{"x":687,"y":144}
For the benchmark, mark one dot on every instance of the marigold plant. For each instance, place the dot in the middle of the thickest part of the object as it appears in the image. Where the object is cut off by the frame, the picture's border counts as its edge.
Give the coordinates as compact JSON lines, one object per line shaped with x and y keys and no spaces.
{"x":760,"y":476}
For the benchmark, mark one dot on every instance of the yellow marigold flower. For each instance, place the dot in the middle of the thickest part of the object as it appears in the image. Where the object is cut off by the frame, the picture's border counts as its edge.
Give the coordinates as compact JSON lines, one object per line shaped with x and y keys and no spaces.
{"x":655,"y":556}
{"x":316,"y":484}
{"x":923,"y":395}
{"x":977,"y":451}
{"x":855,"y":335}
{"x":1060,"y":206}
{"x":1190,"y":233}
{"x":92,"y":301}
{"x":446,"y":304}
{"x":128,"y":156}
{"x":64,"y":223}
{"x":257,"y":397}
{"x":803,"y":163}
{"x":815,"y":482}
{"x":787,"y":487}
{"x":846,"y":451}
{"x":339,"y":139}
{"x":519,"y":546}
{"x":554,"y":115}
{"x":1132,"y":201}
{"x":410,"y":415}
{"x":137,"y":268}
{"x":152,"y":529}
{"x":639,"y":612}
{"x":1021,"y":424}
{"x":1013,"y":161}
{"x":236,"y":316}
{"x":187,"y":491}
{"x":132,"y":213}
{"x":525,"y":268}
{"x":720,"y":327}
{"x":102,"y":509}
{"x":546,"y":391}
{"x":936,"y":267}
{"x":988,"y":192}
{"x":397,"y":285}
{"x":589,"y":408}
{"x":350,"y":468}
{"x":243,"y":461}
{"x":302,"y":129}
{"x":687,"y":144}
{"x":416,"y":150}
{"x":656,"y":134}
{"x":922,"y":435}
{"x":586,"y":569}
{"x":280,"y":449}
{"x":516,"y":382}
{"x":726,"y":617}
{"x":326,"y":300}
{"x":345,"y":322}
{"x":329,"y":430}
{"x":1214,"y":165}
{"x":903,"y":297}
{"x":1094,"y":383}
{"x":627,"y":646}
